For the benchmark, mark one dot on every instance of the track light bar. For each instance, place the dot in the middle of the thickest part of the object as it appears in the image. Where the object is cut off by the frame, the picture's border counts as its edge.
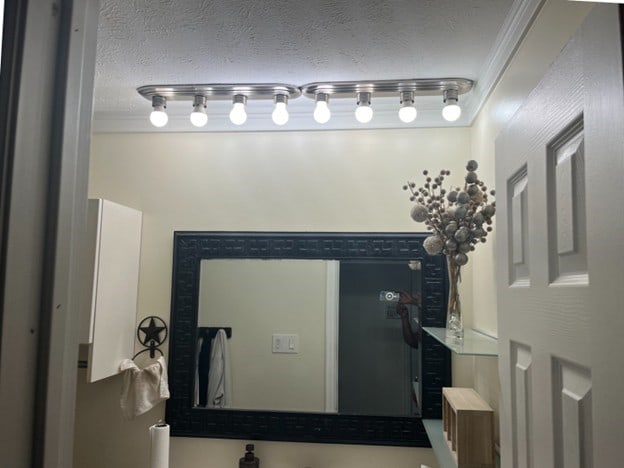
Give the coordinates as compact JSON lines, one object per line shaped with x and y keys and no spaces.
{"x":387,"y":88}
{"x":215,"y":92}
{"x":280,"y":93}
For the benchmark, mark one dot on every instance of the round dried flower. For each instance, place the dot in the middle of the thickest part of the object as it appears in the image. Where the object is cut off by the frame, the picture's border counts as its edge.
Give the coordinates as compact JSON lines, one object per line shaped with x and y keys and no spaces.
{"x":472,"y":165}
{"x":461,"y":259}
{"x":433,"y":245}
{"x":450,"y":245}
{"x":462,"y":234}
{"x":464,"y":247}
{"x":471,"y":177}
{"x":450,"y":228}
{"x":452,"y":196}
{"x":419,"y":213}
{"x":488,"y":211}
{"x":463,"y":197}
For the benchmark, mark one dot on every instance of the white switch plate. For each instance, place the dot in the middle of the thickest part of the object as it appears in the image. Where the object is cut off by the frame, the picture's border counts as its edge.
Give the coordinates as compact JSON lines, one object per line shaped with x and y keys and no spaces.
{"x":285,"y":343}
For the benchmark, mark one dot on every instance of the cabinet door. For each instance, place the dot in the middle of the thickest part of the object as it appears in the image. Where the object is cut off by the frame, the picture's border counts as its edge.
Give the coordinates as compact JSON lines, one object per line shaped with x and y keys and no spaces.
{"x":115,"y":239}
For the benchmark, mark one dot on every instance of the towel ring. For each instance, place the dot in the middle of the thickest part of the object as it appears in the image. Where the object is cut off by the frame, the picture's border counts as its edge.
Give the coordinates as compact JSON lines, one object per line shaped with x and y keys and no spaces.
{"x":150,"y":350}
{"x":152,"y":328}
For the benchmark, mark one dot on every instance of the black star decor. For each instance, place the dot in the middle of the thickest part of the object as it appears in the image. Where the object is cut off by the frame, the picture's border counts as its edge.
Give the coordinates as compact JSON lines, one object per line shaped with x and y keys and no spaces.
{"x":152,"y":331}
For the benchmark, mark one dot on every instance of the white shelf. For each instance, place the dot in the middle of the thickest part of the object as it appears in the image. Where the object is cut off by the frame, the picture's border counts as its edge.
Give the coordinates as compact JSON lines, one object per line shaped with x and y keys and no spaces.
{"x":438,"y":443}
{"x":440,"y":447}
{"x":474,"y":343}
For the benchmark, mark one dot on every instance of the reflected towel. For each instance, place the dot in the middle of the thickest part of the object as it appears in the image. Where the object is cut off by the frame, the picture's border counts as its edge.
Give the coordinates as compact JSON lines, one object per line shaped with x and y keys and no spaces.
{"x":142,"y":389}
{"x":219,"y":380}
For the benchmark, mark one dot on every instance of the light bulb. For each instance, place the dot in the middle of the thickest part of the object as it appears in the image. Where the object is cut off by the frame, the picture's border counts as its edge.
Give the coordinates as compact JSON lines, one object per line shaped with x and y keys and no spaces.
{"x":364,"y":112}
{"x":280,"y":113}
{"x":199,"y":118}
{"x":158,"y":117}
{"x":238,"y":115}
{"x":407,"y":112}
{"x":322,"y":114}
{"x":451,"y":110}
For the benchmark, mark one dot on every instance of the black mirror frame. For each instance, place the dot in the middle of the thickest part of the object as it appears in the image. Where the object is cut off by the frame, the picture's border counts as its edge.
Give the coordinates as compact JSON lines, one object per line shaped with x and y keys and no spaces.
{"x":192,"y":247}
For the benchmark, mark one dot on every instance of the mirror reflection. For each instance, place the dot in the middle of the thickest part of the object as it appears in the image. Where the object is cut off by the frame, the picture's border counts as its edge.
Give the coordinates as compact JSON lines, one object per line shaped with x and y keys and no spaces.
{"x":307,"y":335}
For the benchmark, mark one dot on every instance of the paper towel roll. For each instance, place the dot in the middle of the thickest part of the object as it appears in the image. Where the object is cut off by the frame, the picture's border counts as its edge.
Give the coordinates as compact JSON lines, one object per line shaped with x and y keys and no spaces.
{"x":159,"y":434}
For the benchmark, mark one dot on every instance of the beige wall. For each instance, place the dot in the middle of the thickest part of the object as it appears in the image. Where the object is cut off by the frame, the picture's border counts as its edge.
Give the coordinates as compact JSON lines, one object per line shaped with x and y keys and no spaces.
{"x":258,"y":298}
{"x":324,"y":181}
{"x":297,"y":181}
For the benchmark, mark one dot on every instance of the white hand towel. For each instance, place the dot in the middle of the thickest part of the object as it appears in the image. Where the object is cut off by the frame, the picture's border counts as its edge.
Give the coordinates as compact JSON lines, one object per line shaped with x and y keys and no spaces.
{"x":142,"y":389}
{"x":219,"y":380}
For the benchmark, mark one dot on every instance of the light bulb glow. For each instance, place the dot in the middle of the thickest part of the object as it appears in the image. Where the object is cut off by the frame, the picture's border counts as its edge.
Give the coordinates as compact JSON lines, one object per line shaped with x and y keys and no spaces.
{"x":407,"y":114}
{"x":407,"y":111}
{"x":322,"y":114}
{"x":238,"y":114}
{"x":158,"y":117}
{"x":363,"y":112}
{"x":280,"y":113}
{"x":451,"y":112}
{"x":199,"y":118}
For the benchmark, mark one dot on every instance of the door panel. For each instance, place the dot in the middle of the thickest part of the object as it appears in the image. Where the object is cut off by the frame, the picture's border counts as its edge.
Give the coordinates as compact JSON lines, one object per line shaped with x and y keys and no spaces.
{"x":554,"y":230}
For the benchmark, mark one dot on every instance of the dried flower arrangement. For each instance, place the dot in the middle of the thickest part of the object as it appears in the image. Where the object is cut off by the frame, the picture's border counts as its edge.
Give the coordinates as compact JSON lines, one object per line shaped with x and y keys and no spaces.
{"x":459,"y":219}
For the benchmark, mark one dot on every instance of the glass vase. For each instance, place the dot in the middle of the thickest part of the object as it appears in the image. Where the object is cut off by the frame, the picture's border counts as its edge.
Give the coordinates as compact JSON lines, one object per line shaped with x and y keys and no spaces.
{"x":454,"y":319}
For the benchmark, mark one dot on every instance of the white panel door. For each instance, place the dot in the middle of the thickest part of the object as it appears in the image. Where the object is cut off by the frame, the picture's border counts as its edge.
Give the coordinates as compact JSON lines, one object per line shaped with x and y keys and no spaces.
{"x":559,"y":173}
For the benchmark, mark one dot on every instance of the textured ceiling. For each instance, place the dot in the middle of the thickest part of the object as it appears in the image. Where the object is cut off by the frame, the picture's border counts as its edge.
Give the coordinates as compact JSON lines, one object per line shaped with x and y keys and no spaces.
{"x":200,"y":41}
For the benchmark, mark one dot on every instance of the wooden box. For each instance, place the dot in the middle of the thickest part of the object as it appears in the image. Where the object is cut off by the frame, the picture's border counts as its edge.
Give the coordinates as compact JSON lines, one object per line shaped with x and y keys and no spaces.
{"x":468,"y":423}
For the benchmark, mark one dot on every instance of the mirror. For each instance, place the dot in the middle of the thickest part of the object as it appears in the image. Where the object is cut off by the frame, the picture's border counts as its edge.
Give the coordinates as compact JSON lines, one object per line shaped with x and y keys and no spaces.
{"x":314,"y":291}
{"x":295,"y":304}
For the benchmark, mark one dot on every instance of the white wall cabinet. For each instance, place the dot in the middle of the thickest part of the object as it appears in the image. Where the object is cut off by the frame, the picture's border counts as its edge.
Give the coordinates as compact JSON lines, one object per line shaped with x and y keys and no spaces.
{"x":110,"y":292}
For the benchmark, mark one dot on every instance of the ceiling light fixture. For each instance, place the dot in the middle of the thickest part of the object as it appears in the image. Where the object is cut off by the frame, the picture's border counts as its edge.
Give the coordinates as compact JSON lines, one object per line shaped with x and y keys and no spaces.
{"x":363,"y":111}
{"x":238,"y":114}
{"x":280,"y":113}
{"x":199,"y":118}
{"x":407,"y":111}
{"x":320,"y":92}
{"x":158,"y":117}
{"x":451,"y":111}
{"x":322,"y":114}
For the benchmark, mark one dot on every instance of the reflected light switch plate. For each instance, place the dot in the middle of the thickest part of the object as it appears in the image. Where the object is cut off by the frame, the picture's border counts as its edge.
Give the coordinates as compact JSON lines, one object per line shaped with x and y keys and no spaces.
{"x":286,"y":343}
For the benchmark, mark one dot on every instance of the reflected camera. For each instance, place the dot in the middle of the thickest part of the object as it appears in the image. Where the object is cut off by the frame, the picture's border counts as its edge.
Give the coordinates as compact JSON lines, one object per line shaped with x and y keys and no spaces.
{"x":389,"y":296}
